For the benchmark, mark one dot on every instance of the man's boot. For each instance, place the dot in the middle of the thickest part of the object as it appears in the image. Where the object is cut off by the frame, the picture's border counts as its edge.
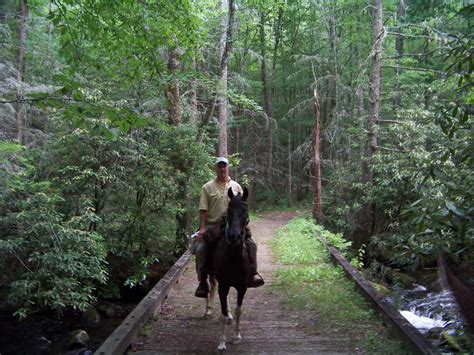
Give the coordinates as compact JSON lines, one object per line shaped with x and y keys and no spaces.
{"x":256,"y":281}
{"x":203,"y":287}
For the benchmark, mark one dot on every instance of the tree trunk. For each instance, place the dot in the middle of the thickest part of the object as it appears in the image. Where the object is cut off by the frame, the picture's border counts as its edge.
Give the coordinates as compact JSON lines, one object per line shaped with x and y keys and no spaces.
{"x":367,"y":217}
{"x":193,"y":99}
{"x":183,"y":217}
{"x":21,"y":70}
{"x":359,"y":88}
{"x":399,"y":48}
{"x":263,"y":71}
{"x":271,"y":108}
{"x":290,"y":199}
{"x":172,"y":90}
{"x":265,"y":96}
{"x":317,"y":191}
{"x":334,"y":82}
{"x":225,"y":49}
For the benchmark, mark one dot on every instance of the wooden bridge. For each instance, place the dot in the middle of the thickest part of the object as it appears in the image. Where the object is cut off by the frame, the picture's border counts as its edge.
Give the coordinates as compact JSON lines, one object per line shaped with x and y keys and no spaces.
{"x":171,"y":320}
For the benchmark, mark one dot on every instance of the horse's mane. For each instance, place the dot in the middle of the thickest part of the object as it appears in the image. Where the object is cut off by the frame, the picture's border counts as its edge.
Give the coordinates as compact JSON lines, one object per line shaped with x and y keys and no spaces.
{"x":214,"y":233}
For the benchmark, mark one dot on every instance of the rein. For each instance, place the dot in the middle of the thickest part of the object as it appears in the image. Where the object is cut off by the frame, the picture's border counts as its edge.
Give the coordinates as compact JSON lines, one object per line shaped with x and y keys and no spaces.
{"x":226,"y":231}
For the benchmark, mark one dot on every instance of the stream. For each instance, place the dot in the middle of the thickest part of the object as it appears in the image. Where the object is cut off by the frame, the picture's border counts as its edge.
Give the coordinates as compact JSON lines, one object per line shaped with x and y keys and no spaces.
{"x":429,"y":307}
{"x":46,"y":333}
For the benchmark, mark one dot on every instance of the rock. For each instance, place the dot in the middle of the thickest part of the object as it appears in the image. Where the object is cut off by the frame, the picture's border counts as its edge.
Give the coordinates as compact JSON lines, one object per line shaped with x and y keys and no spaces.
{"x":434,"y":333}
{"x":110,"y":312}
{"x":107,"y":309}
{"x":78,"y":339}
{"x":381,"y":289}
{"x":91,"y":316}
{"x":7,"y":121}
{"x":451,"y":341}
{"x":7,"y":71}
{"x":34,"y":137}
{"x":43,"y":344}
{"x":80,"y":351}
{"x":404,"y":279}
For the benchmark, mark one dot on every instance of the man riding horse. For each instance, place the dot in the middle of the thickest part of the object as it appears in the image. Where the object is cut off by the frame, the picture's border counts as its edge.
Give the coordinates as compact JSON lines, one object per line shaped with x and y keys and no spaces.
{"x":212,"y":213}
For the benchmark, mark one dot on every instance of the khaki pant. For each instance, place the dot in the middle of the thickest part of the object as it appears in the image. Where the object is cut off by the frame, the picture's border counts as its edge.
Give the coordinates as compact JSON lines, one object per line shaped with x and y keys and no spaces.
{"x":202,"y":252}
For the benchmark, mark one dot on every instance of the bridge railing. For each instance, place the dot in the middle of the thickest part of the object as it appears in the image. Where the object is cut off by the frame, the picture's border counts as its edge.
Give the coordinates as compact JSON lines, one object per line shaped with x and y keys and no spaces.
{"x":403,"y":329}
{"x":127,"y":332}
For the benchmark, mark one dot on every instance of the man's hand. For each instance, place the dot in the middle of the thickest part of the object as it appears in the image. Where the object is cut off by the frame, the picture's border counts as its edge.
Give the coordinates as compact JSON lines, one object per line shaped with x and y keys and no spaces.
{"x":201,"y":232}
{"x":202,"y":225}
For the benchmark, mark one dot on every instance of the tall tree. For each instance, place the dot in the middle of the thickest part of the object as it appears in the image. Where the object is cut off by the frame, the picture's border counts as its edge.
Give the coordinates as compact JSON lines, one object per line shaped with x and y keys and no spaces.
{"x":193,"y":93}
{"x":317,"y":188}
{"x":21,"y":69}
{"x":277,"y":29}
{"x":225,"y":50}
{"x":172,"y":89}
{"x":399,"y":48}
{"x":367,"y":217}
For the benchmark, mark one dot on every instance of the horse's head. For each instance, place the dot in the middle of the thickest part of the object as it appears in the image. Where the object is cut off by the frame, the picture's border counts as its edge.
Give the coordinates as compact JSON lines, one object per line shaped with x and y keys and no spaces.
{"x":237,"y":217}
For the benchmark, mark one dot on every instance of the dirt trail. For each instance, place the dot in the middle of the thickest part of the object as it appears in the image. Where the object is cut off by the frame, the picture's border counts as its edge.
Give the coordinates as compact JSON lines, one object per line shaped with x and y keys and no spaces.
{"x":267,"y":327}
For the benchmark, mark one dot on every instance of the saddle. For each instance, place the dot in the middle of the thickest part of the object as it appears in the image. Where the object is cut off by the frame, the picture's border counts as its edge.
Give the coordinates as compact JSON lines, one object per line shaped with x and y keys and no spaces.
{"x":214,"y":233}
{"x":217,"y":231}
{"x":212,"y":236}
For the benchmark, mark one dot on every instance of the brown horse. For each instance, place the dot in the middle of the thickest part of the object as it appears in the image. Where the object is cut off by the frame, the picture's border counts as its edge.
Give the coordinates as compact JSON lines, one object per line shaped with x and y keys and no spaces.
{"x":230,"y":264}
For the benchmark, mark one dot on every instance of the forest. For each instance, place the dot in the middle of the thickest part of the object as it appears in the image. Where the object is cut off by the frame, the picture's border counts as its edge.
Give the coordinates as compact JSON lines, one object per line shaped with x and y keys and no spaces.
{"x":113,"y":112}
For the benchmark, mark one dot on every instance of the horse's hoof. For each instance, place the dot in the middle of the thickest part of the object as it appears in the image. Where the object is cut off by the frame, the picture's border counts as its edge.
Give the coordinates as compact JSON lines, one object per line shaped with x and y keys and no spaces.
{"x":208,"y":313}
{"x":221,"y":347}
{"x":237,"y":340}
{"x":229,"y":320}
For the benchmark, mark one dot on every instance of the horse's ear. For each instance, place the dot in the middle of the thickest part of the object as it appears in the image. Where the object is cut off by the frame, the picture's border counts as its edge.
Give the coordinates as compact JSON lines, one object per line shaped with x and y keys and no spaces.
{"x":246,"y":194}
{"x":230,"y":193}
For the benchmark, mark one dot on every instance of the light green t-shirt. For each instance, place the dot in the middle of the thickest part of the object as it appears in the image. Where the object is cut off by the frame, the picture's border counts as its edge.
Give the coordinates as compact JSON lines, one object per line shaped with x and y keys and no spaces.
{"x":214,"y":199}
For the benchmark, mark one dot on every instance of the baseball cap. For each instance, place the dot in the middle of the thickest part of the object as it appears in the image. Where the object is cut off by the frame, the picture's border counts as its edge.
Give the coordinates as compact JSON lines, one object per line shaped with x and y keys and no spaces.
{"x":221,"y":160}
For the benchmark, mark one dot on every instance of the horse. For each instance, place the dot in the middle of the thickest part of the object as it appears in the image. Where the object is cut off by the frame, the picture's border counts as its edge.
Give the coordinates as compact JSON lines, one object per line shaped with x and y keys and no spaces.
{"x":230,"y":264}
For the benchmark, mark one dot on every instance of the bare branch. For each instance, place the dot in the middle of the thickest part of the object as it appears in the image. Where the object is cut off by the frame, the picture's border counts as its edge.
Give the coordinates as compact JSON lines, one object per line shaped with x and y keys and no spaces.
{"x":414,"y":69}
{"x":391,"y":149}
{"x":410,"y":36}
{"x":391,"y":121}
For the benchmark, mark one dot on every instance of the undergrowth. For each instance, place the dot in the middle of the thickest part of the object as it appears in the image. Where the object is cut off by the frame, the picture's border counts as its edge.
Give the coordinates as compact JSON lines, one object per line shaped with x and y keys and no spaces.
{"x":311,"y":283}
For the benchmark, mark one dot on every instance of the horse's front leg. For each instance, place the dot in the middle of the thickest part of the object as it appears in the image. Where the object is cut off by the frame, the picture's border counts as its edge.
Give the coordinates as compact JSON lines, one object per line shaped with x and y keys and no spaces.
{"x":223,"y":293}
{"x":210,"y":297}
{"x":238,"y":311}
{"x":229,"y":313}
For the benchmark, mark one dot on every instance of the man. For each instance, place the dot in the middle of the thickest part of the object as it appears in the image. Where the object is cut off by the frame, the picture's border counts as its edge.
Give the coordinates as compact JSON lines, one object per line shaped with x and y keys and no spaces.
{"x":212,"y":211}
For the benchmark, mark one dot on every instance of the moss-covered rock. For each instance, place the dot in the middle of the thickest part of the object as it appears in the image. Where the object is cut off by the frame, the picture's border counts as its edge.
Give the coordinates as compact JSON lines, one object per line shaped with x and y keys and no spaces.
{"x":404,"y":279}
{"x":381,"y":289}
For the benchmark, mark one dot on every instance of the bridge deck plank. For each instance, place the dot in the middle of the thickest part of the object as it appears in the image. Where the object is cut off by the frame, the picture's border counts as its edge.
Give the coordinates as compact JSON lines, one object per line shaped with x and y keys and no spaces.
{"x":267,"y":327}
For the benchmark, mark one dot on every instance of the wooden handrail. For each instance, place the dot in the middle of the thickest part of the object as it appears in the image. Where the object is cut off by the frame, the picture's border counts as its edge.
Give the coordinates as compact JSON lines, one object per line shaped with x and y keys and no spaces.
{"x":127,"y":332}
{"x":404,"y":329}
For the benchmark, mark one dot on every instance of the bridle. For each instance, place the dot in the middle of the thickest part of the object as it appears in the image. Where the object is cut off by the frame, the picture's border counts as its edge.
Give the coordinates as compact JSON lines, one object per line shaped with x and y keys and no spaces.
{"x":227,"y":229}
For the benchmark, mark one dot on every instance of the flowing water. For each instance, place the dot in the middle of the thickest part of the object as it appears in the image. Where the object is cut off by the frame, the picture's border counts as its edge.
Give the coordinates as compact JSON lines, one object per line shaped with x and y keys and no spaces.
{"x":429,"y":308}
{"x":45,"y":333}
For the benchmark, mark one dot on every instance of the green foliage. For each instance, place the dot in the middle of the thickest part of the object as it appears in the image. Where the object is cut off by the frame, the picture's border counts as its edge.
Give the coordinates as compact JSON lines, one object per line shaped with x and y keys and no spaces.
{"x":46,"y":261}
{"x":88,"y":200}
{"x":134,"y":185}
{"x":426,"y":193}
{"x":112,"y":170}
{"x":312,"y":284}
{"x":422,"y":187}
{"x":111,"y":166}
